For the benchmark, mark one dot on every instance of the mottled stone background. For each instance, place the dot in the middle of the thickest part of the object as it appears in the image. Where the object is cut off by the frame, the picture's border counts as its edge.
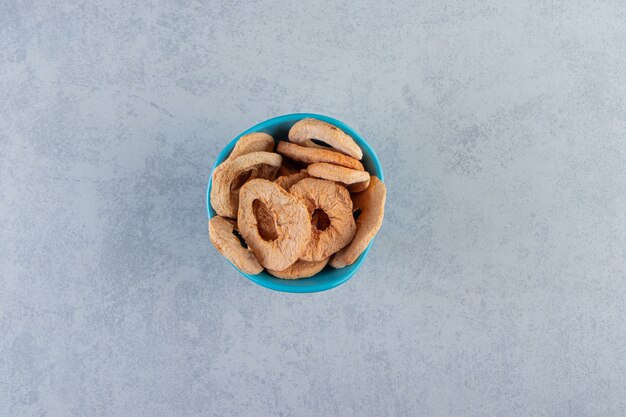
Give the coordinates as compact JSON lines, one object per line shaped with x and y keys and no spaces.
{"x":496,"y":287}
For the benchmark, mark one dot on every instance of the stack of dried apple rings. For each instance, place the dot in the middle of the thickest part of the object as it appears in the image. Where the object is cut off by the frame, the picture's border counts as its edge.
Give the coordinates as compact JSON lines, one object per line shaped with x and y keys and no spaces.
{"x":295,"y":208}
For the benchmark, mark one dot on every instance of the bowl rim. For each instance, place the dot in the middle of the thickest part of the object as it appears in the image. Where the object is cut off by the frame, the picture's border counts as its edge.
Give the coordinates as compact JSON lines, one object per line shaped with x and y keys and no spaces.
{"x":260,"y":279}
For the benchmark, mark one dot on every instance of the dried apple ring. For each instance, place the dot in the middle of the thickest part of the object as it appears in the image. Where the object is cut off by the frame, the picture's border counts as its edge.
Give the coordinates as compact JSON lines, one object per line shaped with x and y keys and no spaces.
{"x":330,"y":210}
{"x":222,"y":236}
{"x":307,"y":132}
{"x":371,"y":202}
{"x":354,"y":180}
{"x":313,"y":155}
{"x":274,"y":223}
{"x":252,"y":142}
{"x":232,"y":174}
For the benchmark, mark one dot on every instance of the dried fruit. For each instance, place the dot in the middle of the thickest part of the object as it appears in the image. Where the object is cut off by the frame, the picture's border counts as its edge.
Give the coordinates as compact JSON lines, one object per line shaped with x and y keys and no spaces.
{"x":307,"y":132}
{"x":300,"y":269}
{"x":287,"y":181}
{"x":304,"y":219}
{"x":331,"y":221}
{"x":313,"y":155}
{"x":274,"y":223}
{"x":354,"y":180}
{"x":232,"y":174}
{"x":252,"y":142}
{"x":371,"y":202}
{"x":221,"y":233}
{"x":359,"y":186}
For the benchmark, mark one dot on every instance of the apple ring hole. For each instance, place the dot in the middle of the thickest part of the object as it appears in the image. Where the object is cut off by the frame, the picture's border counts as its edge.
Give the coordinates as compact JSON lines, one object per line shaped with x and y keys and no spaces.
{"x":320,"y":219}
{"x":265,"y":221}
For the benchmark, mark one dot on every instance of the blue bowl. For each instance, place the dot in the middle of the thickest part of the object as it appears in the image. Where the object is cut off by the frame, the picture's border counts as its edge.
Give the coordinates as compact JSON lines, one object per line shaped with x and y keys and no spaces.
{"x":329,"y":277}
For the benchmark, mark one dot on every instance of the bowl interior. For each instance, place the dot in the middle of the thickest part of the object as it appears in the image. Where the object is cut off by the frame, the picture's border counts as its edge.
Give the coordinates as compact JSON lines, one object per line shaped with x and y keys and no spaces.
{"x":329,"y":277}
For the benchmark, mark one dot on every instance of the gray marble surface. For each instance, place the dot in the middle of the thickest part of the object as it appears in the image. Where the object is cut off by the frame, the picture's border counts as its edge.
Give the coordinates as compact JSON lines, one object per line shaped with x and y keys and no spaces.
{"x":495,"y":288}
